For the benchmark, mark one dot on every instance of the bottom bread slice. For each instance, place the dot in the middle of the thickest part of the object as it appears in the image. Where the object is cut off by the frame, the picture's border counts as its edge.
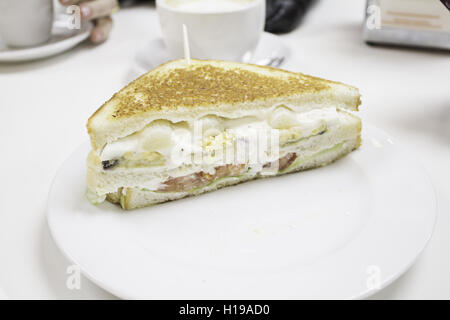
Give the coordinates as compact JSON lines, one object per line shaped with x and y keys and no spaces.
{"x":133,"y":198}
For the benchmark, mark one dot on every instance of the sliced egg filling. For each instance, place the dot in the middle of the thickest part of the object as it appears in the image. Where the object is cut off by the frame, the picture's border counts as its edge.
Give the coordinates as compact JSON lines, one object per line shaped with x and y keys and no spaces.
{"x":216,"y":140}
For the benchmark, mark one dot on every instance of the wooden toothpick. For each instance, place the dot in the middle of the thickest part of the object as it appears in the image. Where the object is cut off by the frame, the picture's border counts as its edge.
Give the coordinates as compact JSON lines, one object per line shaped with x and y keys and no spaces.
{"x":187,"y":52}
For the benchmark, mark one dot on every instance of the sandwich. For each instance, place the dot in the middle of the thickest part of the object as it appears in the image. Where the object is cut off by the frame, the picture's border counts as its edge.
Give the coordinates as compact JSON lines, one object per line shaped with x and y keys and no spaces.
{"x":184,"y":129}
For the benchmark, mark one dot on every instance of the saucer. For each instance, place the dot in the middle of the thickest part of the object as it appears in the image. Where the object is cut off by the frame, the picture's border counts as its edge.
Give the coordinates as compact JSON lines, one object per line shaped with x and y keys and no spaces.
{"x":154,"y":53}
{"x":62,"y":39}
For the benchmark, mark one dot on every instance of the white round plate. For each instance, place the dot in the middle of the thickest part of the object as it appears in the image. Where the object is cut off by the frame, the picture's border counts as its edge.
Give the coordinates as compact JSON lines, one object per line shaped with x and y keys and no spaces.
{"x":154,"y":53}
{"x":341,"y":231}
{"x":62,"y":39}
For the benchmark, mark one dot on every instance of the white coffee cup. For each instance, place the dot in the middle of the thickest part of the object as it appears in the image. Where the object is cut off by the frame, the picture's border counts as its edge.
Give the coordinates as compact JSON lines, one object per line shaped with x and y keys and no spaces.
{"x":25,"y":22}
{"x":217,"y":29}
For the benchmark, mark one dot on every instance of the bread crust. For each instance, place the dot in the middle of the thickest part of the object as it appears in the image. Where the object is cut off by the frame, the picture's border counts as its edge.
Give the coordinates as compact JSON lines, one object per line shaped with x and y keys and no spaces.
{"x":177,"y":91}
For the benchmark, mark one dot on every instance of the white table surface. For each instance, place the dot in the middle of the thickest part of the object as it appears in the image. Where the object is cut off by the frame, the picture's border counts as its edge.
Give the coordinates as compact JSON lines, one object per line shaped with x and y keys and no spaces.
{"x":44,"y":106}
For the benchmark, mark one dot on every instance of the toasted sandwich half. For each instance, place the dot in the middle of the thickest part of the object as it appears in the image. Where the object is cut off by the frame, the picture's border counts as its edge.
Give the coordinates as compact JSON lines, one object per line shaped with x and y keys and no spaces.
{"x":185,"y":129}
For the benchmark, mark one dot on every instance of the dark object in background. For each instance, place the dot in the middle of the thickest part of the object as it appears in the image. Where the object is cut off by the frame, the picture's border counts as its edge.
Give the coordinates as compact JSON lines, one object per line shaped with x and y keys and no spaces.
{"x":284,"y":15}
{"x":127,"y":3}
{"x":446,"y":3}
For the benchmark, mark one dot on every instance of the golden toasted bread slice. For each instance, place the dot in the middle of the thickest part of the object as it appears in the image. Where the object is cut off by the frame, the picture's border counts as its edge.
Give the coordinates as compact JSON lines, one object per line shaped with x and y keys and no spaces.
{"x":176,"y":91}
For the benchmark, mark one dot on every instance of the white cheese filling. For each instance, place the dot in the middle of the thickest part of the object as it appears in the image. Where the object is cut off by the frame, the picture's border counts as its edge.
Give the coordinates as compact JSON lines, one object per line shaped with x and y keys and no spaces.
{"x":177,"y":142}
